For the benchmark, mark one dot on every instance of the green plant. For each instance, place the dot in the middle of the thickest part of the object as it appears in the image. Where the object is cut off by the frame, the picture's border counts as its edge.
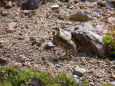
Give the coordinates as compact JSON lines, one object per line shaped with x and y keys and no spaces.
{"x":11,"y":76}
{"x":5,"y":83}
{"x":109,"y":42}
{"x":64,"y":80}
{"x":21,"y":77}
{"x":108,"y":84}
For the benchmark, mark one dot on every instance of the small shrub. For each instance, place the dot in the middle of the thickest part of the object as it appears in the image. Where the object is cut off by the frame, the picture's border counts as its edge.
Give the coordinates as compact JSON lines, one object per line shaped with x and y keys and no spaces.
{"x":21,"y":77}
{"x":11,"y":76}
{"x":64,"y":80}
{"x":6,"y":83}
{"x":107,"y":85}
{"x":109,"y":42}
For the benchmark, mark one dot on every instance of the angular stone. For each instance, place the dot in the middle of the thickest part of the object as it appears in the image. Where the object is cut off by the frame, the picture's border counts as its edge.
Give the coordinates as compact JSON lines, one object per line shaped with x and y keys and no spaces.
{"x":30,"y":4}
{"x":88,"y":40}
{"x":11,"y":27}
{"x":35,"y":82}
{"x":80,"y":70}
{"x":16,"y":64}
{"x":20,"y":58}
{"x":10,"y":30}
{"x":49,"y":45}
{"x":80,"y":16}
{"x":9,"y":4}
{"x":3,"y":61}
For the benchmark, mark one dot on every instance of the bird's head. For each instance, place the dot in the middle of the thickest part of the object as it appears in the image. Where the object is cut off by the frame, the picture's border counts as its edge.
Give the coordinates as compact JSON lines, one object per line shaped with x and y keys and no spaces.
{"x":57,"y":30}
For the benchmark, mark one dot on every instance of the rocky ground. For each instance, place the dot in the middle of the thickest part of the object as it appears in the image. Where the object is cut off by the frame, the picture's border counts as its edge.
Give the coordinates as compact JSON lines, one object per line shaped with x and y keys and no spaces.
{"x":18,"y":28}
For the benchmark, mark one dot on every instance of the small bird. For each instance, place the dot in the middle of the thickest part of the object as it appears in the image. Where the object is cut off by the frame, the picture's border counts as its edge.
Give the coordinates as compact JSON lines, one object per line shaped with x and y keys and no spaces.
{"x":63,"y":39}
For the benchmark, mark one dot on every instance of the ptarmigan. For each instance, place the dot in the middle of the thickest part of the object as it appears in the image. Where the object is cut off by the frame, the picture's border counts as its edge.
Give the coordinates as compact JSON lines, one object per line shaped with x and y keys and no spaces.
{"x":63,"y":39}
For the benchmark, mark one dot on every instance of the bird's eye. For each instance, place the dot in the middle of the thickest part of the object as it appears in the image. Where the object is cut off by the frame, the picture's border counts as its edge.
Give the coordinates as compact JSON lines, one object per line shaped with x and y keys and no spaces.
{"x":53,"y":33}
{"x":76,"y":28}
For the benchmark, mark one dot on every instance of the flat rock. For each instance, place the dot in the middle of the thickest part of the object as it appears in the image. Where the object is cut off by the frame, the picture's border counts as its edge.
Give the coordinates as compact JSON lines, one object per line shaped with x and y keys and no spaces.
{"x":80,"y":70}
{"x":49,"y":45}
{"x":80,"y":16}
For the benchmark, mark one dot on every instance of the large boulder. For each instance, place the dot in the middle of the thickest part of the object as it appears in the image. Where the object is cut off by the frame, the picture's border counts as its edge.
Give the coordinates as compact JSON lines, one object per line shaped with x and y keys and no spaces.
{"x":88,"y":40}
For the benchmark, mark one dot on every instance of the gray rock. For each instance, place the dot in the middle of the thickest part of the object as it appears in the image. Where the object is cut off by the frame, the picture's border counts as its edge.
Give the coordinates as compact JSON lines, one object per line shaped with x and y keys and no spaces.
{"x":4,"y":13}
{"x":49,"y":45}
{"x":31,"y":12}
{"x":52,"y":0}
{"x":80,"y":70}
{"x":88,"y":40}
{"x":20,"y":58}
{"x":35,"y":82}
{"x":99,"y":73}
{"x":110,"y":4}
{"x":16,"y":64}
{"x":55,"y":58}
{"x":80,"y":16}
{"x":30,"y":4}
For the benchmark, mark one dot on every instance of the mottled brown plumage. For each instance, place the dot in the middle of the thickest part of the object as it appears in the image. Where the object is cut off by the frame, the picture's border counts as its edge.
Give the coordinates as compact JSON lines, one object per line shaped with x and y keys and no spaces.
{"x":63,"y":40}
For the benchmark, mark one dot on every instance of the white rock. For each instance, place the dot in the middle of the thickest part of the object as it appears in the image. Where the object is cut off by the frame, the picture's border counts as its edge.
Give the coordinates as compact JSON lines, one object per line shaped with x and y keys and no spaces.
{"x":49,"y":45}
{"x":80,"y":70}
{"x":11,"y":27}
{"x":55,"y":7}
{"x":12,"y":24}
{"x":113,"y":83}
{"x":18,"y":64}
{"x":75,"y":76}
